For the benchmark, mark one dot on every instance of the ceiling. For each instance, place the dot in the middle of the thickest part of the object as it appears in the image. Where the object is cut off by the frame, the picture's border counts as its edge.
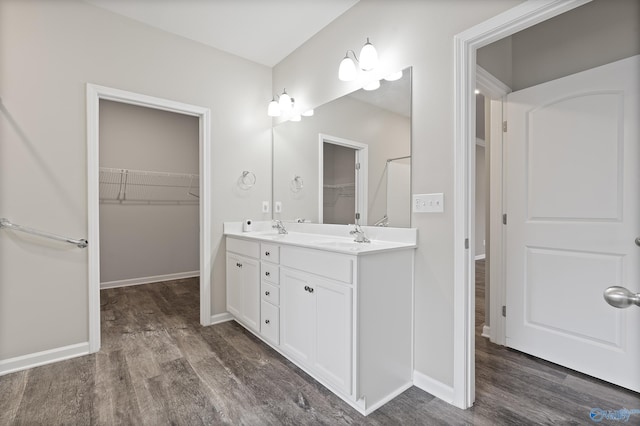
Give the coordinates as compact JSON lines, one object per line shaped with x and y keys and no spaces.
{"x":263,"y":31}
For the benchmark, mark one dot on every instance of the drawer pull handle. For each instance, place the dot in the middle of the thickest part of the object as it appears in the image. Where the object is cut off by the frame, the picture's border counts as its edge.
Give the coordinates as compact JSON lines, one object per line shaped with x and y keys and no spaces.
{"x":267,"y":321}
{"x":266,"y":293}
{"x":268,"y":274}
{"x":266,"y":253}
{"x":239,"y":265}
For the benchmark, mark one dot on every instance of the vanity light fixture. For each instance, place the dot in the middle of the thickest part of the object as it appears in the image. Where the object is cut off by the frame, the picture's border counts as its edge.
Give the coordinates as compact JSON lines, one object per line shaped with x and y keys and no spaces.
{"x":308,"y":113}
{"x":295,"y":117}
{"x":284,"y":105}
{"x":368,"y":61}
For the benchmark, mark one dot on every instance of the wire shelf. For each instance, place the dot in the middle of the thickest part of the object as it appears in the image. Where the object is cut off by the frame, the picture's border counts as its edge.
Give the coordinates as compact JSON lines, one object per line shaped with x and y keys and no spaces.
{"x":121,"y":185}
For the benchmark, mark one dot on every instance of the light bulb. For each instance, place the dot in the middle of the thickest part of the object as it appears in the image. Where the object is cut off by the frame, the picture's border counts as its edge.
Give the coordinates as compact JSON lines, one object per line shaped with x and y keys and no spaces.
{"x":285,"y":101}
{"x":368,"y":57}
{"x":274,"y":109}
{"x":308,"y":113}
{"x":372,"y":85}
{"x":347,"y":70}
{"x":395,"y":76}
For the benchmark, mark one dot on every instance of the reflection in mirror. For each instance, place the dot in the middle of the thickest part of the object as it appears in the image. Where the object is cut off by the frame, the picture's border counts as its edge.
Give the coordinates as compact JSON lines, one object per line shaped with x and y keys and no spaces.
{"x":374,"y":129}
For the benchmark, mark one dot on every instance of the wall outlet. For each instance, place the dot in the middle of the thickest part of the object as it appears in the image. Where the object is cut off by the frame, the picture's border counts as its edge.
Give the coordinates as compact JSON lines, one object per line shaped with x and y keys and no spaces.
{"x":265,"y":207}
{"x":277,"y":207}
{"x":428,"y":203}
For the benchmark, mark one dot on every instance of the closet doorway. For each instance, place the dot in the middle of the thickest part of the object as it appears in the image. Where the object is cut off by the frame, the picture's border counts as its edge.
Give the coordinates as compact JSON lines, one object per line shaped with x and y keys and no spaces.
{"x":148,"y":180}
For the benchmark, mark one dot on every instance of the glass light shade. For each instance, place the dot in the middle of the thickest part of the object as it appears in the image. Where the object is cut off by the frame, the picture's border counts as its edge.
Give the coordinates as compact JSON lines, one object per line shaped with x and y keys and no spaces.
{"x":372,"y":85}
{"x":285,"y":102}
{"x":347,"y":70}
{"x":395,"y":76}
{"x":295,"y":117}
{"x":308,"y":113}
{"x":368,"y":57}
{"x":274,"y":109}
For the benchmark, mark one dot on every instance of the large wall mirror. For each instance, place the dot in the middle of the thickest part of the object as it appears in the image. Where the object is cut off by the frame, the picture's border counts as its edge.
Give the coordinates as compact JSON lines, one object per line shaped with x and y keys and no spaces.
{"x":353,"y":155}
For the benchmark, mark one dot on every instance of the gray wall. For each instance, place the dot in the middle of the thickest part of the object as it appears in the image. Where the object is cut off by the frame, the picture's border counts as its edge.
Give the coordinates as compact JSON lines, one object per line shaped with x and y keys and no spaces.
{"x":595,"y":34}
{"x":50,"y":50}
{"x":139,"y":240}
{"x":419,"y":34}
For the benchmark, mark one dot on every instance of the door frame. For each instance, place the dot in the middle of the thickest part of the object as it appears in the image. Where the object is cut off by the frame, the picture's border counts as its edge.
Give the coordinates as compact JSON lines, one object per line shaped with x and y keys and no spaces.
{"x":466,"y":43}
{"x":94,"y":94}
{"x":362,"y":182}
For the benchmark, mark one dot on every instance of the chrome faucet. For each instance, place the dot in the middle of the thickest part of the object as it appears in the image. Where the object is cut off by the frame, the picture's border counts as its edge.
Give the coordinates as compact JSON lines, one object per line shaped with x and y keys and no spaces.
{"x":360,"y":237}
{"x":277,"y":224}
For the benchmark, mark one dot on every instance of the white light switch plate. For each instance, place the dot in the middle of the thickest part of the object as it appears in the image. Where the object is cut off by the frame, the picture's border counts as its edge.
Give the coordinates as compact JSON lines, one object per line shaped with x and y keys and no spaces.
{"x":277,"y":207}
{"x":428,"y":203}
{"x":265,"y":207}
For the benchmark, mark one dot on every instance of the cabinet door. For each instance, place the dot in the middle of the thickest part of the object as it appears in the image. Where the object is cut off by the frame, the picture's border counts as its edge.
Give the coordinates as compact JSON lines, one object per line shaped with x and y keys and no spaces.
{"x":234,"y":285}
{"x":333,"y":332}
{"x":251,"y":293}
{"x":297,"y":316}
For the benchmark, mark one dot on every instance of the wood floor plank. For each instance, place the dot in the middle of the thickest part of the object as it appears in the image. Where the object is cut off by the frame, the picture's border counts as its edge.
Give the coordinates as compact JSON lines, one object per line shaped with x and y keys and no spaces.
{"x":14,"y":385}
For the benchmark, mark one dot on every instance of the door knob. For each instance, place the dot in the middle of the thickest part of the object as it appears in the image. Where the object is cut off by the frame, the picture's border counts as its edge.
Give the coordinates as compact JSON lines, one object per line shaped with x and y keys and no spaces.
{"x":638,"y":241}
{"x":621,"y":297}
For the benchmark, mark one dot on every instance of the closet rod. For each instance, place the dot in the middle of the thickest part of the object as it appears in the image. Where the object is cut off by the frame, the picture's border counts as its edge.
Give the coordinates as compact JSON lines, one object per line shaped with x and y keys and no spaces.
{"x":5,"y":223}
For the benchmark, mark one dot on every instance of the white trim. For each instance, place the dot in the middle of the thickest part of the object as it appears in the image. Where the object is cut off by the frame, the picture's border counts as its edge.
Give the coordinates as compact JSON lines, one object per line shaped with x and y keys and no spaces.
{"x":220,"y":318}
{"x":149,"y":280}
{"x":486,"y":331}
{"x":94,"y":94}
{"x":489,"y":85}
{"x":36,"y":359}
{"x":496,"y":228}
{"x":465,"y":45}
{"x":433,"y":387}
{"x":373,"y":407}
{"x":480,"y":256}
{"x":362,"y":185}
{"x":481,"y":142}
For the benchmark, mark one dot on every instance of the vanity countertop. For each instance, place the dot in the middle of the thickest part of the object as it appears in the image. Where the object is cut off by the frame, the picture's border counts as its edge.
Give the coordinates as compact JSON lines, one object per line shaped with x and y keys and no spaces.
{"x":334,"y":238}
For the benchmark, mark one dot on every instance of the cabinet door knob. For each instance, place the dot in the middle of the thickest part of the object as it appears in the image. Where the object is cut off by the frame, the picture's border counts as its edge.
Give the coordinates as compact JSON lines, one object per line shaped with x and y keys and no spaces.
{"x":266,"y":293}
{"x":306,"y":288}
{"x":310,"y":289}
{"x":267,"y":321}
{"x":266,"y":253}
{"x":268,"y":274}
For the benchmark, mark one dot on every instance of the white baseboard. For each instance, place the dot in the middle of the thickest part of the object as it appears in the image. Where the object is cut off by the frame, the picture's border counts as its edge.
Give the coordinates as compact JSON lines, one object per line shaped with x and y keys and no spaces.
{"x":36,"y":359}
{"x":434,"y":387}
{"x":148,"y":280}
{"x":218,"y":318}
{"x":480,"y":256}
{"x":486,"y":331}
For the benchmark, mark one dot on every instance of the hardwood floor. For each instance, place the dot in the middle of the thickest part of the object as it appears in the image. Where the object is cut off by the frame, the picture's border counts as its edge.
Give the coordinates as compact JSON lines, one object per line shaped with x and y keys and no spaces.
{"x":158,"y":366}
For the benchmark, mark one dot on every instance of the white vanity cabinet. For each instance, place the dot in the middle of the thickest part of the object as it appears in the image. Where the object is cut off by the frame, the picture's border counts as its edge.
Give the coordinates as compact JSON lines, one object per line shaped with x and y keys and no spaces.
{"x":316,"y":316}
{"x":345,"y":317}
{"x":243,"y":282}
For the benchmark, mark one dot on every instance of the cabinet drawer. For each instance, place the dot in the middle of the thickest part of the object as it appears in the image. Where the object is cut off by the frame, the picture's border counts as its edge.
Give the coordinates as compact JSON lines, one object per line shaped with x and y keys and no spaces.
{"x":270,"y":253}
{"x":335,"y":266}
{"x":270,"y":293}
{"x":244,"y":247}
{"x":270,"y":322}
{"x":270,"y":273}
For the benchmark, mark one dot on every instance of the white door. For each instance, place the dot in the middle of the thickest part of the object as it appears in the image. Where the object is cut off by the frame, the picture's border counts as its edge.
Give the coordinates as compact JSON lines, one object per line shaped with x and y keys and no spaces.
{"x":572,"y":201}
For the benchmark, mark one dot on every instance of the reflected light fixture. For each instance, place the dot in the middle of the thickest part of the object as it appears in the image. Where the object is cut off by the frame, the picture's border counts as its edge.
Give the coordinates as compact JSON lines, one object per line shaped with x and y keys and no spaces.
{"x":372,"y":85}
{"x":308,"y":113}
{"x":395,"y":76}
{"x":368,"y":61}
{"x":274,"y":108}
